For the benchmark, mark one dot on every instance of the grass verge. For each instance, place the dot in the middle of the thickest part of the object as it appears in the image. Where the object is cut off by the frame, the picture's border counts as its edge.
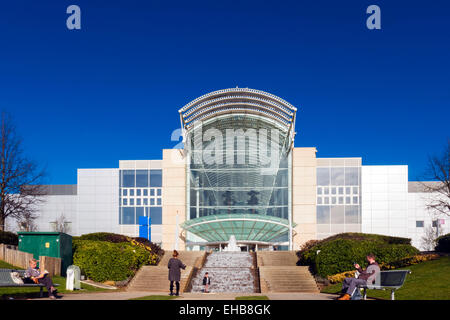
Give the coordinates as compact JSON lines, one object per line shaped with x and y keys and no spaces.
{"x":429,"y":280}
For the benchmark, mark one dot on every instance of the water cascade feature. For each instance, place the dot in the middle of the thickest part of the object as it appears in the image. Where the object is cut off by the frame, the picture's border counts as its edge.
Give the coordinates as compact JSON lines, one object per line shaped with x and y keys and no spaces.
{"x":229,"y":271}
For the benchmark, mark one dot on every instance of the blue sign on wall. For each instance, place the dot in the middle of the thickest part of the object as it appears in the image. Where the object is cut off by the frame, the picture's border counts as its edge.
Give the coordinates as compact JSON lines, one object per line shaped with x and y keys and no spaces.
{"x":145,"y":224}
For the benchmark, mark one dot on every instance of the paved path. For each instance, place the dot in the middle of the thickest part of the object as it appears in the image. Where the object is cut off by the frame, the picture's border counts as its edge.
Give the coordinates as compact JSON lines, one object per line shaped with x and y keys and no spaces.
{"x":125,"y":295}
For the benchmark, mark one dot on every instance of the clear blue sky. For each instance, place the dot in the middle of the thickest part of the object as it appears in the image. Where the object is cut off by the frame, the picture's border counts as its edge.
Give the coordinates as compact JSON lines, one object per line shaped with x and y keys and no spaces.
{"x":111,"y":91}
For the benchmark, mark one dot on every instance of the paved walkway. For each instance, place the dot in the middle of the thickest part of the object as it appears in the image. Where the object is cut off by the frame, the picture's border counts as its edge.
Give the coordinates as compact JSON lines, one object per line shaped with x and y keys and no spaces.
{"x":125,"y":295}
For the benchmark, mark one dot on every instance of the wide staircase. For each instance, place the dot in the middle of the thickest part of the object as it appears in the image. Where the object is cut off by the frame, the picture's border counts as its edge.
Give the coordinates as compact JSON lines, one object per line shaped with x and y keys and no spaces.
{"x":155,"y":278}
{"x":278,"y":273}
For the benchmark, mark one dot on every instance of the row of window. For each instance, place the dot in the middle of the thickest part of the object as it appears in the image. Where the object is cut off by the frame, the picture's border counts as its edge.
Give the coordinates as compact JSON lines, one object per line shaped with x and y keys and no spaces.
{"x":338,"y":190}
{"x":141,"y":202}
{"x":141,"y":178}
{"x":338,"y":176}
{"x":131,"y":192}
{"x":348,"y":214}
{"x":337,"y":200}
{"x":130,"y":215}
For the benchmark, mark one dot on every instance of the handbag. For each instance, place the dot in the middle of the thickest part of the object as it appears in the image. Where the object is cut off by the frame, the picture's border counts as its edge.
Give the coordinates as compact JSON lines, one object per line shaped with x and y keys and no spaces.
{"x":15,"y":276}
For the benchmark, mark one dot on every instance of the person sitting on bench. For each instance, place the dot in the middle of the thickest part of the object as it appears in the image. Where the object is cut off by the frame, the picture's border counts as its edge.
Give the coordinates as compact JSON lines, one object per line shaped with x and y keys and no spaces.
{"x":365,"y":277}
{"x":33,"y":275}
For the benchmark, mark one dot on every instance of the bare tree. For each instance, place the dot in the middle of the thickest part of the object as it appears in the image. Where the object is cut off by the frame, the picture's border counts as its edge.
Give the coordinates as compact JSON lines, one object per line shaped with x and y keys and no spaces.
{"x":26,"y":221}
{"x":429,"y":238}
{"x":61,"y":224}
{"x":439,"y":171}
{"x":20,"y":178}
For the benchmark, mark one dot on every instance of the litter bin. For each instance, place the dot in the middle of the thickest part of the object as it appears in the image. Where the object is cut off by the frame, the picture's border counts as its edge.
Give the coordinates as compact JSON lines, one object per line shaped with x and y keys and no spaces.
{"x":73,"y":278}
{"x":50,"y":244}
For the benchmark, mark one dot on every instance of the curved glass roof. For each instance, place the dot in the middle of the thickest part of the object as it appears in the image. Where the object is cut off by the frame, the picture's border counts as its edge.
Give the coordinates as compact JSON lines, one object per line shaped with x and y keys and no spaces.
{"x":245,"y":227}
{"x":238,"y":101}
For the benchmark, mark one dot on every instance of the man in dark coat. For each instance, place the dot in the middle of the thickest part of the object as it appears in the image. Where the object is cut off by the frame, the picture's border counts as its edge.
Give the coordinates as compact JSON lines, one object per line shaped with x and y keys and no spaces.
{"x":174,"y":266}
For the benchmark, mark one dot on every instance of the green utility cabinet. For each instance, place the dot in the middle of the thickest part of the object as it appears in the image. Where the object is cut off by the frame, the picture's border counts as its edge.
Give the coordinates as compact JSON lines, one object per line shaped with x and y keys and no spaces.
{"x":50,"y":244}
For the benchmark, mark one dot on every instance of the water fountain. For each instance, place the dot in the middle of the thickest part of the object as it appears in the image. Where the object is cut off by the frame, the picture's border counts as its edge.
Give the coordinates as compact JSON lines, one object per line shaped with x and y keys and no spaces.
{"x":232,"y":245}
{"x":229,"y":271}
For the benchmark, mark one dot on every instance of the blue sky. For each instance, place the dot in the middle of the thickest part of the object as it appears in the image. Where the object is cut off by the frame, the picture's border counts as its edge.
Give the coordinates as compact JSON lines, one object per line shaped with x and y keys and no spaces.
{"x":111,"y":91}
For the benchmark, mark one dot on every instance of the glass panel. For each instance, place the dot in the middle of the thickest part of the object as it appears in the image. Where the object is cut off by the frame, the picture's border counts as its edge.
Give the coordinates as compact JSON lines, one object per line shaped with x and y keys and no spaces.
{"x":158,"y":192}
{"x":138,"y":192}
{"x":323,"y":214}
{"x":319,"y":190}
{"x":125,"y":202}
{"x":141,"y":178}
{"x":128,"y":178}
{"x":319,"y":200}
{"x":145,"y":192}
{"x":351,"y":176}
{"x":152,"y":192}
{"x":337,"y":214}
{"x":131,"y":192}
{"x":138,"y":202}
{"x":351,"y":214}
{"x":337,"y":176}
{"x":158,"y":201}
{"x":152,"y":201}
{"x":156,"y":215}
{"x":419,"y":224}
{"x":145,"y":202}
{"x":323,"y":176}
{"x":156,"y":178}
{"x":124,"y":192}
{"x":131,"y":202}
{"x":128,"y":215}
{"x":139,"y":213}
{"x":341,"y":190}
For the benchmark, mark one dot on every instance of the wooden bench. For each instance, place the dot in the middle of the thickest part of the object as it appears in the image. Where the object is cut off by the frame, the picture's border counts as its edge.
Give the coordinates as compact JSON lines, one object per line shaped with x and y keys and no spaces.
{"x":387,"y":280}
{"x":6,"y":281}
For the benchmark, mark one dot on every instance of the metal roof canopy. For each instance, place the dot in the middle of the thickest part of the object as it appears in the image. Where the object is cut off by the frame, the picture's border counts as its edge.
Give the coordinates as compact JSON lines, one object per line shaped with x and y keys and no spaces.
{"x":239,"y":101}
{"x":245,"y":227}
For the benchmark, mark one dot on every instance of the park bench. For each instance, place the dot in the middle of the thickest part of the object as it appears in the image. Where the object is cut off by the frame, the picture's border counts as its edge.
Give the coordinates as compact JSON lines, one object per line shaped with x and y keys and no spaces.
{"x":387,"y":280}
{"x":7,"y":281}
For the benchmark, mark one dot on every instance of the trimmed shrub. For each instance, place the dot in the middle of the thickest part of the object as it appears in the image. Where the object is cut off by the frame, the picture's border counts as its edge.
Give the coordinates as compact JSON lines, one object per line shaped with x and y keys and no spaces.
{"x":102,"y":260}
{"x":104,"y":236}
{"x":338,"y":253}
{"x":443,"y":243}
{"x":7,"y":237}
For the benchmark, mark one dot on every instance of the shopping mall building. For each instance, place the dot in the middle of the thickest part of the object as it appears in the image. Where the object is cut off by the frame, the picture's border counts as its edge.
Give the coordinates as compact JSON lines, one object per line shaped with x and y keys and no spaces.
{"x":238,"y":173}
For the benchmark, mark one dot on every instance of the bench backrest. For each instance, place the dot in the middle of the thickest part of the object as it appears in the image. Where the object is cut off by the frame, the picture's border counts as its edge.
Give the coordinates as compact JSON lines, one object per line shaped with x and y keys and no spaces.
{"x":5,"y":275}
{"x":393,"y":278}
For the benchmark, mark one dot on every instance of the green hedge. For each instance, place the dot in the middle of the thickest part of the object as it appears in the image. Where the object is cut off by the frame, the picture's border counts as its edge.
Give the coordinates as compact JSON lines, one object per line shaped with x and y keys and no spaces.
{"x":443,"y":243}
{"x":102,"y":260}
{"x":338,"y":254}
{"x":9,"y":238}
{"x":104,"y":236}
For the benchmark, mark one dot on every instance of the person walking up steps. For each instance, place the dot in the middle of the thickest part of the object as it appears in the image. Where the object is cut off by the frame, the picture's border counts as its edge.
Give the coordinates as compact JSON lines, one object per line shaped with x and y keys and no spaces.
{"x":174,"y":266}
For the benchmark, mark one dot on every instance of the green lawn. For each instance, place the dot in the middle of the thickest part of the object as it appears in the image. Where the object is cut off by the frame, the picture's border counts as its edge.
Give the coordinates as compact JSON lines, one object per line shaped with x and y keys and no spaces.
{"x":20,"y":293}
{"x":252,"y":298}
{"x":156,"y":297}
{"x":429,"y":280}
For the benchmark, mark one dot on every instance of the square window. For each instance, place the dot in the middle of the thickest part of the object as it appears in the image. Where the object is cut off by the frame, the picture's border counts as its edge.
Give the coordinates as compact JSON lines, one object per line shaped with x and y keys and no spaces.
{"x":141,"y":178}
{"x":145,"y":192}
{"x":355,"y":200}
{"x":156,"y":215}
{"x":419,"y":224}
{"x":145,"y":202}
{"x":323,"y":176}
{"x":158,"y":192}
{"x":128,"y":177}
{"x":319,"y":200}
{"x":131,"y":202}
{"x":348,"y":200}
{"x":158,"y":201}
{"x":124,"y":192}
{"x":326,"y":190}
{"x":355,"y":190}
{"x":341,"y":200}
{"x":348,"y":190}
{"x":125,"y":202}
{"x":333,"y":190}
{"x":132,"y":192}
{"x":138,"y":192}
{"x":138,"y":202}
{"x":152,"y":201}
{"x":326,"y":200}
{"x":128,"y":216}
{"x":333,"y":200}
{"x":152,"y":192}
{"x":341,"y":190}
{"x":319,"y":190}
